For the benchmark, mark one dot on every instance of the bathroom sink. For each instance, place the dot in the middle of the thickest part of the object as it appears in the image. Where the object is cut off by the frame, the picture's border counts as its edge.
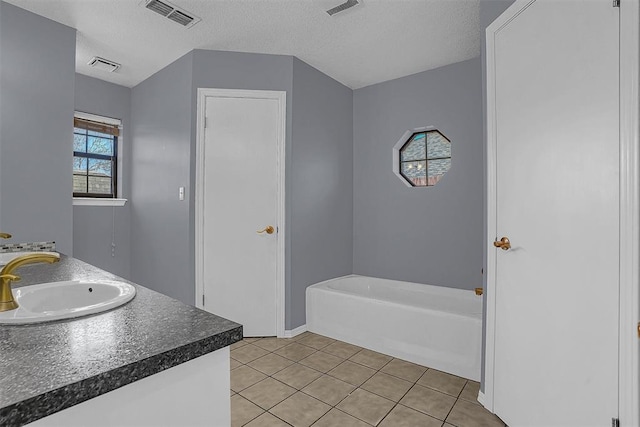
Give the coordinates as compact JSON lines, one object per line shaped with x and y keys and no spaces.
{"x":65,"y":300}
{"x":6,"y":257}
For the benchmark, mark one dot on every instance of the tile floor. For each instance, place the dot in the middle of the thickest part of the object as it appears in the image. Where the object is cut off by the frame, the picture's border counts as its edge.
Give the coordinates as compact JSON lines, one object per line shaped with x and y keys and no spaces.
{"x":312,"y":380}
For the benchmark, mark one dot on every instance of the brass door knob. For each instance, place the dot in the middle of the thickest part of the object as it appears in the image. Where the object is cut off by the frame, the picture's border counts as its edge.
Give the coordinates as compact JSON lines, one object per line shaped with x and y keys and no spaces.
{"x":503,"y":244}
{"x":268,"y":229}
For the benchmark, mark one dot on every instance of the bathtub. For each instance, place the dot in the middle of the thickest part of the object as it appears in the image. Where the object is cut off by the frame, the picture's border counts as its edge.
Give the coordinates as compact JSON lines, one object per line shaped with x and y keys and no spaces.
{"x":437,"y":327}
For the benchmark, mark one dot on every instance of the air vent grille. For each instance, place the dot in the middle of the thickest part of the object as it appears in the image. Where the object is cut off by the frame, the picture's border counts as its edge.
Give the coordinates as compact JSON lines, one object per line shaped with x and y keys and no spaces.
{"x":159,"y":7}
{"x":342,"y":7}
{"x":171,"y":12}
{"x":180,"y":18}
{"x":103,"y":64}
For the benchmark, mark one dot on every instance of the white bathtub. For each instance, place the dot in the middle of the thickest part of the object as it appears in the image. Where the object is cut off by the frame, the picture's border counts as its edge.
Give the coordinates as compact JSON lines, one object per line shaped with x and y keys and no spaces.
{"x":437,"y":327}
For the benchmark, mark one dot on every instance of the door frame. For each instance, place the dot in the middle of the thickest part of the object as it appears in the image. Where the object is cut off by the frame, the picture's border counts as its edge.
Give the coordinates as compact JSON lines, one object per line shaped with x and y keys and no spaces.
{"x":280,"y":96}
{"x":629,"y":359}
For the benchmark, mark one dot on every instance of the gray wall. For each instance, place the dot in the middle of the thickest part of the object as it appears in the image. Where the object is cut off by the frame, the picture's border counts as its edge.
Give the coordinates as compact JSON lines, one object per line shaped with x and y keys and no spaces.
{"x":321,"y":188}
{"x":37,"y":73}
{"x":489,"y":11}
{"x":161,"y":111}
{"x":427,"y":235}
{"x":93,"y":225}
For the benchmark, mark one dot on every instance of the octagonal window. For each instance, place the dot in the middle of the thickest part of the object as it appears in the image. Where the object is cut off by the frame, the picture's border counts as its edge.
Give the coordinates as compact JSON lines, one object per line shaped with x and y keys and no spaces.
{"x":424,"y":156}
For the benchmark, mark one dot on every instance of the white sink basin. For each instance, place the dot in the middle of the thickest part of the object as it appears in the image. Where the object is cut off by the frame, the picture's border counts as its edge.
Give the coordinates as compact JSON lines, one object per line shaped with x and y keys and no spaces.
{"x":65,"y":300}
{"x":6,"y":257}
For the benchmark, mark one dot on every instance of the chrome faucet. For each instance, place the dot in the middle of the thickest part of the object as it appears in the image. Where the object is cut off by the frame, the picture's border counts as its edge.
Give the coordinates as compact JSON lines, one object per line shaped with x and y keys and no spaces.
{"x":6,"y":277}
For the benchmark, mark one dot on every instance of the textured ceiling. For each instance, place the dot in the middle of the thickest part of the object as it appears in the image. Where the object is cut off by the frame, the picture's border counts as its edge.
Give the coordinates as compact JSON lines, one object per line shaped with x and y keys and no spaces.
{"x":376,"y":41}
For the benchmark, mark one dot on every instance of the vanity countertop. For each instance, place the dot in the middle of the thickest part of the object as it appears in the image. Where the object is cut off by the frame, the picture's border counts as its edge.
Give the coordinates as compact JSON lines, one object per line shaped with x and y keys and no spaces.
{"x":47,"y":367}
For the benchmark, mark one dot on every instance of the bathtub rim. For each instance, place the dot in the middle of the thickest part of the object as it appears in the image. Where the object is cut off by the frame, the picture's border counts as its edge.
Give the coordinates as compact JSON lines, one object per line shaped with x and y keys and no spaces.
{"x":322,"y":286}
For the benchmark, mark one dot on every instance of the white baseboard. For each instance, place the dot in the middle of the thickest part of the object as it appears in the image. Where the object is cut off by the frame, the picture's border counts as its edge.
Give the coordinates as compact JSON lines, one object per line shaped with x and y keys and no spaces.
{"x":481,"y":398}
{"x":297,"y":331}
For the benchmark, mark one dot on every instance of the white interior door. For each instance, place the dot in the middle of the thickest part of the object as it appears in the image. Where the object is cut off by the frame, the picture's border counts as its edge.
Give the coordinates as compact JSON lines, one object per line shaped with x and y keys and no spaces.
{"x":557,"y":159}
{"x":240,"y":208}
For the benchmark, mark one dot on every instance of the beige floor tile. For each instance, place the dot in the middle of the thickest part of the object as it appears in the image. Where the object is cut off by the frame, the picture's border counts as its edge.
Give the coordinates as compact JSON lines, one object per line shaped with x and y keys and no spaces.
{"x":267,"y":393}
{"x":252,"y":339}
{"x":247,"y":353}
{"x":387,"y":386}
{"x":366,"y":406}
{"x":352,"y":373}
{"x":272,"y":344}
{"x":234,"y":363}
{"x":321,"y":361}
{"x":297,"y":376}
{"x":401,"y":416}
{"x":329,"y":390}
{"x":342,"y":349}
{"x":470,"y":392}
{"x":244,"y":377}
{"x":371,"y":359}
{"x":270,"y":364}
{"x":429,"y":401}
{"x":403,"y":369}
{"x":300,"y":410}
{"x":295,"y":351}
{"x":443,"y":382}
{"x":267,"y":420}
{"x":316,"y":341}
{"x":466,"y":414}
{"x":238,"y":344}
{"x":243,"y":411}
{"x":336,"y":418}
{"x":300,"y":336}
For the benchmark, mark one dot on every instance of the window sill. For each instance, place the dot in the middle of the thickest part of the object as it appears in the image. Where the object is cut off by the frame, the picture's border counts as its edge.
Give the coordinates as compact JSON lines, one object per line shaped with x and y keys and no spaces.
{"x":91,"y":201}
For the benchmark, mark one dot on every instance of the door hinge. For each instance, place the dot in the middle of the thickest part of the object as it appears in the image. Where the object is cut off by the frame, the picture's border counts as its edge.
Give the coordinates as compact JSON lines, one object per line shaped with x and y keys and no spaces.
{"x":203,"y":300}
{"x":615,"y":422}
{"x":616,"y":3}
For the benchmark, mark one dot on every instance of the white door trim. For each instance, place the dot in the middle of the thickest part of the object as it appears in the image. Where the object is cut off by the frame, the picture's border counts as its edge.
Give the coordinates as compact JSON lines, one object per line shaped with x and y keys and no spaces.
{"x":629,"y":391}
{"x":629,"y":387}
{"x":280,"y":96}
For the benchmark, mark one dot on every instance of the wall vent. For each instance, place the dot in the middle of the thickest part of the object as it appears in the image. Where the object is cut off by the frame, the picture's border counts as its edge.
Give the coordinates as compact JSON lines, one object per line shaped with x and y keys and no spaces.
{"x":172,"y":12}
{"x":342,"y":7}
{"x":103,"y":64}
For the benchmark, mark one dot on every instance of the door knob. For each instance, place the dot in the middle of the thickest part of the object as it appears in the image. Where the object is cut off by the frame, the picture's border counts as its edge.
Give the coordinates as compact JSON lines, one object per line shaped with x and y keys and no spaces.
{"x":503,"y":244}
{"x":268,"y":229}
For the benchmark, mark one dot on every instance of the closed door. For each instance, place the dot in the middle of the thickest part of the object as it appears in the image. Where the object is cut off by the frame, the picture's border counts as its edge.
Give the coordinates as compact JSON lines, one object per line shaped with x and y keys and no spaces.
{"x":240,"y":230}
{"x":557,"y":201}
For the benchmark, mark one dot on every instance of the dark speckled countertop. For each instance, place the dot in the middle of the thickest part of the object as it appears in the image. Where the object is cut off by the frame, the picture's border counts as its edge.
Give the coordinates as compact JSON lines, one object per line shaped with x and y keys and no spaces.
{"x":47,"y":367}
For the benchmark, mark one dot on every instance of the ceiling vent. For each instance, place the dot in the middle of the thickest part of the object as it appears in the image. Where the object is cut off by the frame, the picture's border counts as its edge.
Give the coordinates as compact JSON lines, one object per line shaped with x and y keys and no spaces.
{"x":342,"y":7}
{"x":172,"y":12}
{"x":103,"y":64}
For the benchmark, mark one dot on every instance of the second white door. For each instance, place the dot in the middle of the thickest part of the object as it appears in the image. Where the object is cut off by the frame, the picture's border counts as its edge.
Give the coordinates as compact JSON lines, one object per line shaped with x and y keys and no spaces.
{"x":242,"y":134}
{"x":557,"y":200}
